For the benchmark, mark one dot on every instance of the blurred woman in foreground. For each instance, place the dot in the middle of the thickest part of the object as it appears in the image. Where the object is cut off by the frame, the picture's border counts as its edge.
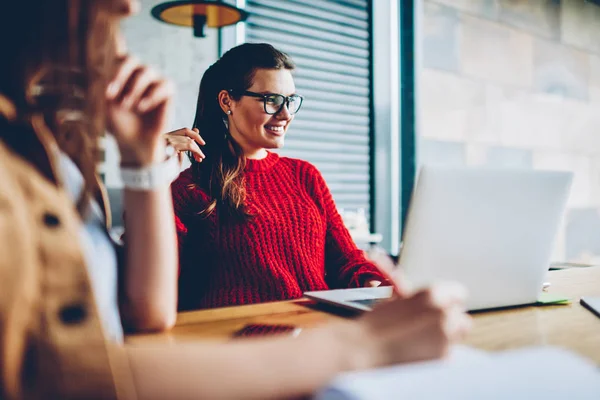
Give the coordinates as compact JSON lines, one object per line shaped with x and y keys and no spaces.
{"x":60,"y":85}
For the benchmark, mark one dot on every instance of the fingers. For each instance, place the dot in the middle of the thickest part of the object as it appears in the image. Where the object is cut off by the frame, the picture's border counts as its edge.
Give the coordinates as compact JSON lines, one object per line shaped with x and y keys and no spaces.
{"x":442,"y":310}
{"x":127,"y":66}
{"x":185,"y":139}
{"x":440,"y":297}
{"x":177,"y":132}
{"x":184,"y":143}
{"x":138,"y":87}
{"x":156,"y":94}
{"x":123,"y":8}
{"x":191,"y":133}
{"x":441,"y":334}
{"x":456,"y":325}
{"x":451,"y":327}
{"x":139,"y":83}
{"x":389,"y":270}
{"x":443,"y":295}
{"x":424,"y":325}
{"x":195,"y":134}
{"x":434,"y":306}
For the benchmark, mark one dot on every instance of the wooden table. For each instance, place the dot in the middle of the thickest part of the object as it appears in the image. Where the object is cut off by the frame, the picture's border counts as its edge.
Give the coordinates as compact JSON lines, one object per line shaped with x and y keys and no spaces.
{"x":569,"y":326}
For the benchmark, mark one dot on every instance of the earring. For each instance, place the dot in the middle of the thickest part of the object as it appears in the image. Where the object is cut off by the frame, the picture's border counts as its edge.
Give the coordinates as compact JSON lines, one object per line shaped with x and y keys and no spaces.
{"x":228,"y":112}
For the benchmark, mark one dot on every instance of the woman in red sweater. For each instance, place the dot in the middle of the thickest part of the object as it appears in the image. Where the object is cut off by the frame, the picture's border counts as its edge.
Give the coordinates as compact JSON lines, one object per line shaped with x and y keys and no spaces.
{"x":254,"y":226}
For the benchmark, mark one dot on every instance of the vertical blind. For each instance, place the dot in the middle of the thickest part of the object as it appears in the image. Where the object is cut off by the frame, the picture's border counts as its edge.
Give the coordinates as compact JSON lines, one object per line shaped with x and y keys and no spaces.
{"x":329,"y":41}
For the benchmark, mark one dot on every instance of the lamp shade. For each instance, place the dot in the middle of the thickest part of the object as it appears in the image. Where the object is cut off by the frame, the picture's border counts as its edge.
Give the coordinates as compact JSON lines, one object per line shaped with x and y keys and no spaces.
{"x":198,"y":14}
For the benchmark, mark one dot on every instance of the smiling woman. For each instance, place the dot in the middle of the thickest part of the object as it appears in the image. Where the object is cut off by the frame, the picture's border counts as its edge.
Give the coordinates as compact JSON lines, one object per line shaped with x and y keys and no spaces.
{"x":259,"y":118}
{"x":254,"y":226}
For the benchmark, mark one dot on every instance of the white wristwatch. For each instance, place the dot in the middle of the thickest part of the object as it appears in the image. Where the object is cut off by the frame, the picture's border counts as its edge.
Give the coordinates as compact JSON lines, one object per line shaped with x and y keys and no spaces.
{"x":153,"y":176}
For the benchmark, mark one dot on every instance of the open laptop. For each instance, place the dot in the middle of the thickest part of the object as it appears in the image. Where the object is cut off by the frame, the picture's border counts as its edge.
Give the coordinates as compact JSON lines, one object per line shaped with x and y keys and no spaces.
{"x":490,"y":229}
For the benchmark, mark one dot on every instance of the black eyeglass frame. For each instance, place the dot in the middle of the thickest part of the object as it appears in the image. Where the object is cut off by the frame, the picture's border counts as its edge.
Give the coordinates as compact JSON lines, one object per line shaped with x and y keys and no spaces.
{"x":286,"y":100}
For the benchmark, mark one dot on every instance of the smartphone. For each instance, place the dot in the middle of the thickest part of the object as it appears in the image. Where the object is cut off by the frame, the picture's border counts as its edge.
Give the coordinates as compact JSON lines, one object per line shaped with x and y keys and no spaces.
{"x":592,"y":304}
{"x":263,"y":329}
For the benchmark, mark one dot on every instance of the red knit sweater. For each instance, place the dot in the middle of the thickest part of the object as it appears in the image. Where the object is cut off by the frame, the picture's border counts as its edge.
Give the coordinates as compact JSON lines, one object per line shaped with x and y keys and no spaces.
{"x":295,"y":242}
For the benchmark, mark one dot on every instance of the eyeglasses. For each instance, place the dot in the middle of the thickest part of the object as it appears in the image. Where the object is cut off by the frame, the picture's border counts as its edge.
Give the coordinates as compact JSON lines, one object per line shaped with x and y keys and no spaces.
{"x":273,"y":103}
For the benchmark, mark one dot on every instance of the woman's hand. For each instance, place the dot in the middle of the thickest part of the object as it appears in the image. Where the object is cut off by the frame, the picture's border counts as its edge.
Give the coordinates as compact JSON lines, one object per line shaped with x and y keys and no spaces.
{"x":185,"y":139}
{"x":138,"y":100}
{"x":388,"y":268}
{"x":419,"y":327}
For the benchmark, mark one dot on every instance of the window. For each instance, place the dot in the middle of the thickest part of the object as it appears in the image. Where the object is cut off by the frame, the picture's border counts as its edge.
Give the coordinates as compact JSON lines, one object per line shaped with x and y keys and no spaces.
{"x":515,"y":85}
{"x":331,"y":45}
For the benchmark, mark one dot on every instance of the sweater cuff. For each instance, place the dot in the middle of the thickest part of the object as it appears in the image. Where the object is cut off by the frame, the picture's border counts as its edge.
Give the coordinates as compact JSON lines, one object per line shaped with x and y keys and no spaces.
{"x":360,"y":279}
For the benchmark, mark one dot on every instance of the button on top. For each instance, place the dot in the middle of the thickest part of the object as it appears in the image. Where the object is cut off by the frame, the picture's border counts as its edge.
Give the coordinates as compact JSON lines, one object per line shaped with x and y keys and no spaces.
{"x":72,"y":314}
{"x":51,"y":220}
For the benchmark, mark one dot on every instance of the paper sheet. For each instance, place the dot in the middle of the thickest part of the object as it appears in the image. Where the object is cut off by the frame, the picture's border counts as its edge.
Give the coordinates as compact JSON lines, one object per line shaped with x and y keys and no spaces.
{"x":469,"y":374}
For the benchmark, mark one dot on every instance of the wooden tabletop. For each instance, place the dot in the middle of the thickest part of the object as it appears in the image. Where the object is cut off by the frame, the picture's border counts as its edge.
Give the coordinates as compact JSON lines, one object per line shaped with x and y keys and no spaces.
{"x":570,"y":326}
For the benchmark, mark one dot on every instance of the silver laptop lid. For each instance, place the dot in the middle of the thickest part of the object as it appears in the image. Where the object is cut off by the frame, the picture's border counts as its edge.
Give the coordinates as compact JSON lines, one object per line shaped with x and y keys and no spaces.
{"x":491,"y":230}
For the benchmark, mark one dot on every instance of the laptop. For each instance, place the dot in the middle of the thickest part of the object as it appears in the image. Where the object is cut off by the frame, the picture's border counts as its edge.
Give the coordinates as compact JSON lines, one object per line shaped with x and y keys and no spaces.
{"x":492,"y":230}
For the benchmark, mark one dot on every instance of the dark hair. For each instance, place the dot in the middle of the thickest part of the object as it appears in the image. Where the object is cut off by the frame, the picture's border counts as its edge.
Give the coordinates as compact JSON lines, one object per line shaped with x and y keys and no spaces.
{"x":222,"y":171}
{"x":56,"y":56}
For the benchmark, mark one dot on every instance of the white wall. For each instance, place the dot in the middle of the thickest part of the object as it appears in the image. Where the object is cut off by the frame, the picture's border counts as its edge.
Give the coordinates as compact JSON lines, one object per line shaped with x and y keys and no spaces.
{"x":178,"y":55}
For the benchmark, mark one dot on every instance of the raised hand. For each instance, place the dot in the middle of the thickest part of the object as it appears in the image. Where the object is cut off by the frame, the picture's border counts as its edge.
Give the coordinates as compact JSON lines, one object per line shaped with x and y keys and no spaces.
{"x":185,"y":139}
{"x":138,"y":101}
{"x":419,"y":327}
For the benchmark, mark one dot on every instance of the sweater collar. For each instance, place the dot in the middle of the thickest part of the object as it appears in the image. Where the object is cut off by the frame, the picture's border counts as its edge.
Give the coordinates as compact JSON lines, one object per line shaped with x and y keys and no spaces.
{"x":263,"y":164}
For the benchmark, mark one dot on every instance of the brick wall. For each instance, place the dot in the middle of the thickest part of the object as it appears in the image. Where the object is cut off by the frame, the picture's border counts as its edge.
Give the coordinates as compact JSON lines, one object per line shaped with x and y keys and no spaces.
{"x":516,"y":83}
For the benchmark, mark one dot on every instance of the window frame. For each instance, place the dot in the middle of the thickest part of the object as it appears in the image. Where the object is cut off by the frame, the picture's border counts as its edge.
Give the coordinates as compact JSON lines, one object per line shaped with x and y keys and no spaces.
{"x":392,"y":160}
